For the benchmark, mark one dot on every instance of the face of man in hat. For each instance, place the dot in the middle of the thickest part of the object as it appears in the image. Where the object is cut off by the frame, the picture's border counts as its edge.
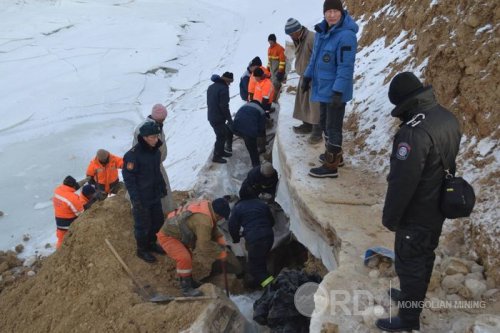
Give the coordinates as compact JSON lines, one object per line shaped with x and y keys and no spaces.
{"x":151,"y":140}
{"x":333,"y":16}
{"x":296,"y":35}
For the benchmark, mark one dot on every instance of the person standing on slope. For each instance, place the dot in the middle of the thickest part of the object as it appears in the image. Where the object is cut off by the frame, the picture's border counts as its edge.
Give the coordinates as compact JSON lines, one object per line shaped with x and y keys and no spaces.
{"x":158,"y":116}
{"x":330,"y":71}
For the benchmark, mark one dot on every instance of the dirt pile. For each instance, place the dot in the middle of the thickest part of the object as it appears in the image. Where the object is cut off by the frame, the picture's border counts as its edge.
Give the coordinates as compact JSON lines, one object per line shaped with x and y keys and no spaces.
{"x":458,"y":41}
{"x":83,"y":288}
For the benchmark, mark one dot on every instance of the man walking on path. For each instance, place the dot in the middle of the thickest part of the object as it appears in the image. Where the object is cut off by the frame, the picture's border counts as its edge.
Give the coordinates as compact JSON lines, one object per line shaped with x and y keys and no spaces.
{"x":146,"y":186}
{"x":276,"y":63}
{"x":415,"y":181}
{"x":304,"y":109}
{"x":330,"y":71}
{"x":158,"y":116}
{"x":219,"y":116}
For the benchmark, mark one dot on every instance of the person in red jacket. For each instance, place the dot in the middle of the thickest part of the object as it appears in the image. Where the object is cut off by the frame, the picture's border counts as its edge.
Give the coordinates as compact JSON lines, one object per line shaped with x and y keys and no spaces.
{"x":103,"y":171}
{"x":276,"y":63}
{"x":67,"y":207}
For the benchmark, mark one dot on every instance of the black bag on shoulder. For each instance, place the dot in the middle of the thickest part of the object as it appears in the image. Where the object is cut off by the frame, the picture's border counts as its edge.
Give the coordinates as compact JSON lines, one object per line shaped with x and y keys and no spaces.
{"x":457,"y":195}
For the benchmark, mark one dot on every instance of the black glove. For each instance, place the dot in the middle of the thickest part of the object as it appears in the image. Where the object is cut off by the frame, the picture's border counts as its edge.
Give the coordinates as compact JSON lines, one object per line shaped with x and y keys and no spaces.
{"x":280,"y":76}
{"x":337,"y":100}
{"x":268,"y":116}
{"x":100,"y":195}
{"x":306,"y":83}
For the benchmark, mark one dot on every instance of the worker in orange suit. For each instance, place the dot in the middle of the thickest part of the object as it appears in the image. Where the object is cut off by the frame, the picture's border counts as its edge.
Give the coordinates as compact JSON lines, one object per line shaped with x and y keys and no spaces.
{"x":252,"y":83}
{"x":276,"y":63}
{"x":191,"y":226}
{"x":103,"y":172}
{"x":264,"y":89}
{"x":67,"y":207}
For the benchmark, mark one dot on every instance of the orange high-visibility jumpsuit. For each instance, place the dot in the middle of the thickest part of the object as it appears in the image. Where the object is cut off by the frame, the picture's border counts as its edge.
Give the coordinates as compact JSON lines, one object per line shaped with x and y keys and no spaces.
{"x":67,"y":207}
{"x":252,"y":82}
{"x":105,"y":176}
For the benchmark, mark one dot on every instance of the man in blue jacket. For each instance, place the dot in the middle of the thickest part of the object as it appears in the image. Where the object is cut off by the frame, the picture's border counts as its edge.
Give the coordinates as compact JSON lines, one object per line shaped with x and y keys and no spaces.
{"x":250,"y":123}
{"x":219,"y":115}
{"x":257,"y":221}
{"x":146,"y":186}
{"x":330,"y":76}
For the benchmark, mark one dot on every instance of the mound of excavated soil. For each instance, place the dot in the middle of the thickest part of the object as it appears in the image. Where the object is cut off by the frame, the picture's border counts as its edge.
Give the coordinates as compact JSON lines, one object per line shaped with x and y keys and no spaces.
{"x":83,"y":288}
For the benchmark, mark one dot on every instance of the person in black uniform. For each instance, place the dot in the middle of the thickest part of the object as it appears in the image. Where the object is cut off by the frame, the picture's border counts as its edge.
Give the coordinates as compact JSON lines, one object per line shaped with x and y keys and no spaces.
{"x":219,"y":115}
{"x":146,"y":186}
{"x":254,"y":216}
{"x":411,"y":207}
{"x":262,"y":179}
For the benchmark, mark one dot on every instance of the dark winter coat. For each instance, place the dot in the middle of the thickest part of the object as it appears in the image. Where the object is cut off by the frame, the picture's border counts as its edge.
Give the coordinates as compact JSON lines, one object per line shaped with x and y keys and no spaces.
{"x":250,"y":120}
{"x":260,"y":183}
{"x":256,"y":219}
{"x":332,"y":60}
{"x":142,"y":175}
{"x":416,"y":174}
{"x":244,"y":80}
{"x":218,"y":101}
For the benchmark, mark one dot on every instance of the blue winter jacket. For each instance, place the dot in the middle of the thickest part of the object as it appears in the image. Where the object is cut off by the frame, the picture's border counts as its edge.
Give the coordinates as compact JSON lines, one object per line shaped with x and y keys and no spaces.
{"x":331,"y":65}
{"x":256,"y":219}
{"x":244,"y":80}
{"x":250,"y":120}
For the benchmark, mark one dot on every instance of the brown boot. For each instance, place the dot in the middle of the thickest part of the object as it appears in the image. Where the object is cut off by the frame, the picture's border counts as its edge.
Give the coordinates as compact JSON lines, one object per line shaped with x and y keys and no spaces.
{"x":333,"y":155}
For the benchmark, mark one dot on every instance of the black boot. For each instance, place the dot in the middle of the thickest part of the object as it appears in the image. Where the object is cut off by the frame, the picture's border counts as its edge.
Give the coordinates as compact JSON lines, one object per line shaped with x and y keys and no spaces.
{"x":397,"y":324}
{"x":188,"y":288}
{"x":145,"y":255}
{"x":329,"y":167}
{"x":154,"y":247}
{"x":218,"y":159}
{"x":226,"y":154}
{"x":305,"y":128}
{"x":395,"y":294}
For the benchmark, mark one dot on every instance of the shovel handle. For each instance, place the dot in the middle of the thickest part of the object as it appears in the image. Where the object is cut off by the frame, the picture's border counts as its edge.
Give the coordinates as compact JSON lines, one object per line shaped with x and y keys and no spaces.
{"x":126,"y":268}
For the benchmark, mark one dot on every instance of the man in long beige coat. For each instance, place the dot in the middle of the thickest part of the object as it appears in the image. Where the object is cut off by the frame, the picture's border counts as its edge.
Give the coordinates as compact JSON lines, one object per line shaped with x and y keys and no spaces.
{"x":304,"y":109}
{"x":158,"y":116}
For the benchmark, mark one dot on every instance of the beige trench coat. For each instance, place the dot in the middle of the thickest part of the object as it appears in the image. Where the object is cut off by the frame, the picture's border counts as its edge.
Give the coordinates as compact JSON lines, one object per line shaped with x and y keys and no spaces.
{"x":304,"y":109}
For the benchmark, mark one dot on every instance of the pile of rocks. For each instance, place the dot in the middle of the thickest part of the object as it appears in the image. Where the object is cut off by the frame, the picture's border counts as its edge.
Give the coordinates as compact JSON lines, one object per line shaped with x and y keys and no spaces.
{"x":13,"y":268}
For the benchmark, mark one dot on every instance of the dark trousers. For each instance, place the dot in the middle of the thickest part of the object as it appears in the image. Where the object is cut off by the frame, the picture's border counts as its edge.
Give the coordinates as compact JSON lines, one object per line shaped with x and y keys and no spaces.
{"x":258,"y":252}
{"x":251,"y":144}
{"x":147,"y":222}
{"x":331,"y":120}
{"x":414,"y":249}
{"x":223,"y":135}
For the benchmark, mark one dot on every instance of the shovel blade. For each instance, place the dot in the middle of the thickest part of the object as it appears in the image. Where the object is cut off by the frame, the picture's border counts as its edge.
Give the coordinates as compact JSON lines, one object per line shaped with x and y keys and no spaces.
{"x":161,"y":299}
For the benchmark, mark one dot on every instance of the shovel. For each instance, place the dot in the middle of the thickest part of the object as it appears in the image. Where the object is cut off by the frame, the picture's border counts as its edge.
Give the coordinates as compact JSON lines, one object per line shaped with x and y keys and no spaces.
{"x":143,"y":292}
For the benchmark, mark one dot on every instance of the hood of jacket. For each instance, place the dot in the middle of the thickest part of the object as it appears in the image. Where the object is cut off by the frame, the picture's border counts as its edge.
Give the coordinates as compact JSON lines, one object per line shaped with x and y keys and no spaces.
{"x":217,"y":79}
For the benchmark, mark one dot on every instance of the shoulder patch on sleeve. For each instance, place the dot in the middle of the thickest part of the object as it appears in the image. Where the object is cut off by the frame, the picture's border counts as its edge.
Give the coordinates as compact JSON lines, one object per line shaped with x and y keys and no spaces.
{"x":403,"y":151}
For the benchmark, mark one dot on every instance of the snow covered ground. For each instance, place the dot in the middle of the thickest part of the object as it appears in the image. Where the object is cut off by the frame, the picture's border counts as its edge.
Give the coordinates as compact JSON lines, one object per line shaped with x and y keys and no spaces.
{"x":77,"y":76}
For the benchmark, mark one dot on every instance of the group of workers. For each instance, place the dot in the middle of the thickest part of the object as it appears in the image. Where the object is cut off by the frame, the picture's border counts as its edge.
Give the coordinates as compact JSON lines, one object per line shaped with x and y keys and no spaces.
{"x":325,"y":65}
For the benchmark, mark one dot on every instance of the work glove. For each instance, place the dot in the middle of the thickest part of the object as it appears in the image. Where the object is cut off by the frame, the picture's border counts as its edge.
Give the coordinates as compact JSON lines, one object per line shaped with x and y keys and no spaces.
{"x":280,"y":76}
{"x":337,"y":100}
{"x":306,"y":83}
{"x":100,"y":195}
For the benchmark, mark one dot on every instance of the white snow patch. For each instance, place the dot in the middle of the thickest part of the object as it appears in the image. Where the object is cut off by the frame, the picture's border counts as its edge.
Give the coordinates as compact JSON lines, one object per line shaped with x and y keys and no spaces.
{"x":486,"y":145}
{"x":43,"y":205}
